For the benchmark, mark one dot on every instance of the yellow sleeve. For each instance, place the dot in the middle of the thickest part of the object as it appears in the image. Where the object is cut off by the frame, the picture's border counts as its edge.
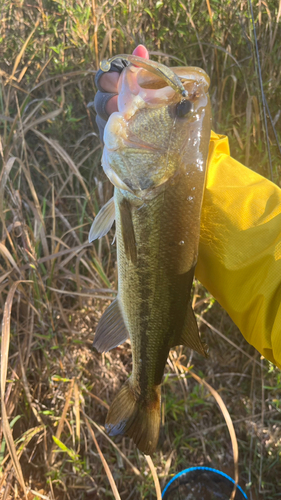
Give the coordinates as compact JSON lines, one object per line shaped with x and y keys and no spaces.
{"x":239,"y":258}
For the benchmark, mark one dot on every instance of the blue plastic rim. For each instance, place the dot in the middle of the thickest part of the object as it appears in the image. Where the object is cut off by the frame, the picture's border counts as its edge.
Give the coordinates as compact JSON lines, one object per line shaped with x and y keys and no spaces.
{"x":203,"y":468}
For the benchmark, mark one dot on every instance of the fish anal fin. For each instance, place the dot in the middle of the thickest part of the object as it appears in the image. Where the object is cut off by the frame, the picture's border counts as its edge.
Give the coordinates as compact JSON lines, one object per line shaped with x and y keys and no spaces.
{"x":127,"y":229}
{"x":111,"y":330}
{"x":190,"y":335}
{"x":103,"y":221}
{"x":139,"y":420}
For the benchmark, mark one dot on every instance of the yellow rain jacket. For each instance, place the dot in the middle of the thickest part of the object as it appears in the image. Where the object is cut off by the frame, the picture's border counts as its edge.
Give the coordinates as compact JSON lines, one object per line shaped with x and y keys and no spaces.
{"x":239,"y":258}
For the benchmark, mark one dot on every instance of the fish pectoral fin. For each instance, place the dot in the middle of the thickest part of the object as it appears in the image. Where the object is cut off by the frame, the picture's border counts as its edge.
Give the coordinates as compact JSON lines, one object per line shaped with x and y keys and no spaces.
{"x":139,"y":420}
{"x":127,"y":228}
{"x":190,"y":335}
{"x":111,"y":330}
{"x":103,"y":221}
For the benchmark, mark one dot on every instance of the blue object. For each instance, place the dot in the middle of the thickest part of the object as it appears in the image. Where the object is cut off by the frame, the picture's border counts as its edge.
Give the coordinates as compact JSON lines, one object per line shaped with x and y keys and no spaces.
{"x":205,"y":469}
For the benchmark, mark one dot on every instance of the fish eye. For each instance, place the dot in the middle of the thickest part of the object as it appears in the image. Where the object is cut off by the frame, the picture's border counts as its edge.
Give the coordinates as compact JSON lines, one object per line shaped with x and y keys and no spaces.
{"x":183,"y":108}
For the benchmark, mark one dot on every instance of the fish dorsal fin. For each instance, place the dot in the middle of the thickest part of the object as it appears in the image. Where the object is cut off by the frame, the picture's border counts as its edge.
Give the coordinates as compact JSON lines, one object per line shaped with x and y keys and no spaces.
{"x":103,"y":221}
{"x":111,"y":330}
{"x":127,"y":228}
{"x":190,"y":334}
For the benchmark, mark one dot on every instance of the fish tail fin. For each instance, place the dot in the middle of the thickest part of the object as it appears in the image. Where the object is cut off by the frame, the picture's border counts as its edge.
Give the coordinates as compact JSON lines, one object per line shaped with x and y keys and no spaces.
{"x":140,"y":420}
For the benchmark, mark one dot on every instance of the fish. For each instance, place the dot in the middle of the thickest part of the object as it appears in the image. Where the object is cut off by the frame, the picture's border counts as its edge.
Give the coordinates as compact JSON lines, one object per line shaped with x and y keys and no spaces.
{"x":155,"y":154}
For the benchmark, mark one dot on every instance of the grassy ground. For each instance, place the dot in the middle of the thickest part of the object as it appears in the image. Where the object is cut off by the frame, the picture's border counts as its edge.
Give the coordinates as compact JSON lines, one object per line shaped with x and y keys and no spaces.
{"x":54,"y":286}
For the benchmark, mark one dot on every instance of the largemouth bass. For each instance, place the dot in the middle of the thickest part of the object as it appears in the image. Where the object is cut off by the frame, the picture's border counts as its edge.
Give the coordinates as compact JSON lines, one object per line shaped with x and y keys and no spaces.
{"x":155,"y":154}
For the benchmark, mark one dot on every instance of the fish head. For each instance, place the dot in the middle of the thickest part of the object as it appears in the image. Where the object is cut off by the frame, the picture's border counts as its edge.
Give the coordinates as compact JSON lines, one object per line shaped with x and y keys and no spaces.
{"x":160,"y":130}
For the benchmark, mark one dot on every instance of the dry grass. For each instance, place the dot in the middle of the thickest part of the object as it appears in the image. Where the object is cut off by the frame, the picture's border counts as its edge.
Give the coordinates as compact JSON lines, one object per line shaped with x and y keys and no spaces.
{"x":55,"y":390}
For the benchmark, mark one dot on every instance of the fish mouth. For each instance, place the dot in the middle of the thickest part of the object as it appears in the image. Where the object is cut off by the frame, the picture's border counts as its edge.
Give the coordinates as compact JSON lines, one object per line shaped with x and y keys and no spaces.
{"x":186,"y":74}
{"x":139,"y":88}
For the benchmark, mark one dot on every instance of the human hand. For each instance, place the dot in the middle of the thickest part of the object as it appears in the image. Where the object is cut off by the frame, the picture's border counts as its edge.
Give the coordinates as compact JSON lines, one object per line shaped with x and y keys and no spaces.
{"x":107,"y":84}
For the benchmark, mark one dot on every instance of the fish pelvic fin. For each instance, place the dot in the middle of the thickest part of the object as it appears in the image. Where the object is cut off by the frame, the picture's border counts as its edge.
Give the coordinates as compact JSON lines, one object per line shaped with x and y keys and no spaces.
{"x":190,"y":336}
{"x":140,"y":420}
{"x":103,"y":221}
{"x":111,"y":330}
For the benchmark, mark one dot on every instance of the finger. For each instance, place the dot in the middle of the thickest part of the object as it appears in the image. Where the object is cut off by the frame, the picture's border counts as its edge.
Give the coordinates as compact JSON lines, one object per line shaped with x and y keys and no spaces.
{"x":104,"y":105}
{"x":112,"y":105}
{"x":107,"y":82}
{"x":116,"y":67}
{"x":141,"y":51}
